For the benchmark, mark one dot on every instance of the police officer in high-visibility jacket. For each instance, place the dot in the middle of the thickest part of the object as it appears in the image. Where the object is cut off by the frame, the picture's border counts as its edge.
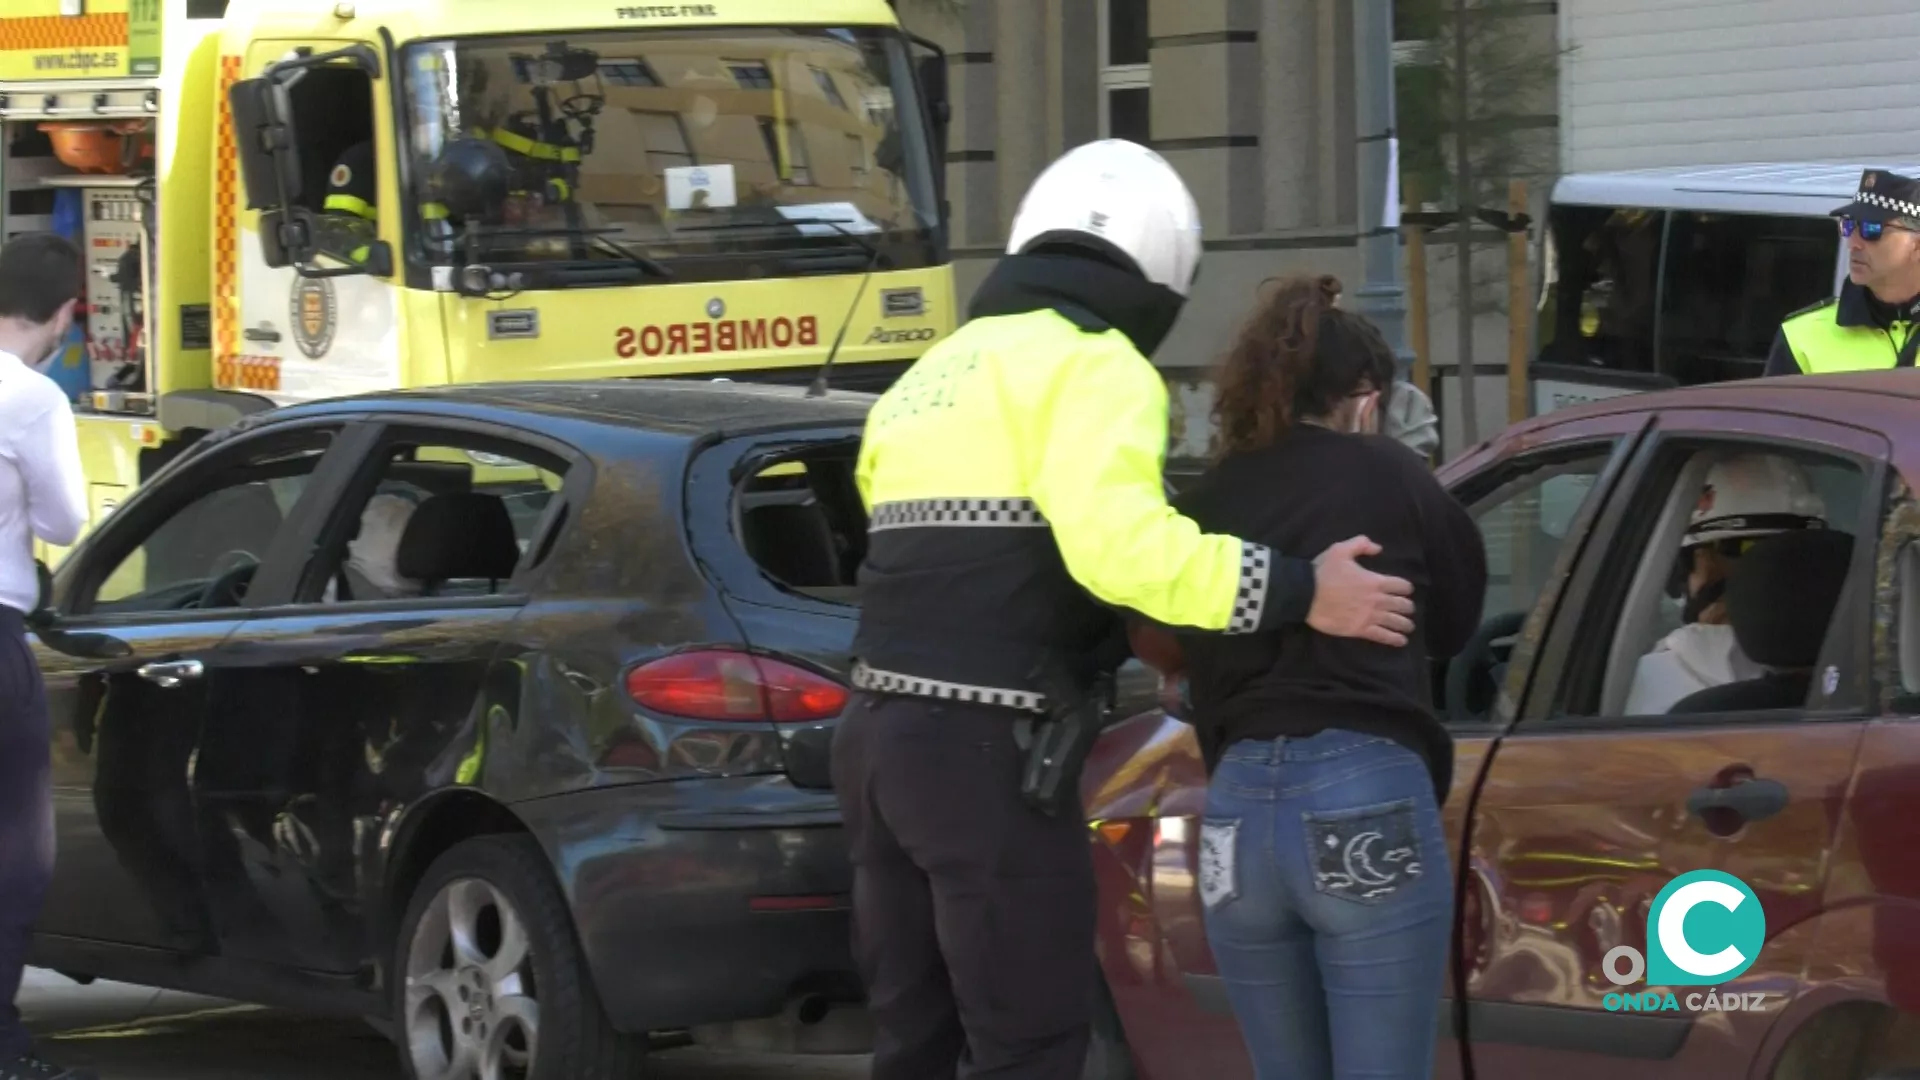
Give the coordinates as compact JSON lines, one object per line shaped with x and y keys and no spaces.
{"x":1870,"y":325}
{"x":1013,"y":478}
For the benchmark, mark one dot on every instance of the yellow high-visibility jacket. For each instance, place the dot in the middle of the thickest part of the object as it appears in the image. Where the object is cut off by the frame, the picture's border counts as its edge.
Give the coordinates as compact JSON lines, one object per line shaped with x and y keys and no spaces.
{"x":1841,"y":334}
{"x":1013,"y":478}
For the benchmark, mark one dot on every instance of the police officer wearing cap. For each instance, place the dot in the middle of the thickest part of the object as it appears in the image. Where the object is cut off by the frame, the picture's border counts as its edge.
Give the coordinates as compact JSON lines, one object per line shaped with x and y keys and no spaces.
{"x":1014,"y":483}
{"x":350,"y":216}
{"x":1871,"y":324}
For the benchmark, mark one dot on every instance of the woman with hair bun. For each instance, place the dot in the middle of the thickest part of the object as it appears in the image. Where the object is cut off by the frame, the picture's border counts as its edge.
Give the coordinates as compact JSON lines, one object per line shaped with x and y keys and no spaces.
{"x":1323,"y":864}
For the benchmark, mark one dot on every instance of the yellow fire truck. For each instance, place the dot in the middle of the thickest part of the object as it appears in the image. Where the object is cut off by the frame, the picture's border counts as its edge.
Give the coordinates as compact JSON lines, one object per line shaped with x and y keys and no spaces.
{"x":567,"y":189}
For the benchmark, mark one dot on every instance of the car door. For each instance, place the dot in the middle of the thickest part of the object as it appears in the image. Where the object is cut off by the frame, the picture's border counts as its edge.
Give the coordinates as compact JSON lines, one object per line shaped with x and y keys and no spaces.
{"x":1147,"y":787}
{"x":373,"y":682}
{"x":163,"y":585}
{"x":1583,"y":813}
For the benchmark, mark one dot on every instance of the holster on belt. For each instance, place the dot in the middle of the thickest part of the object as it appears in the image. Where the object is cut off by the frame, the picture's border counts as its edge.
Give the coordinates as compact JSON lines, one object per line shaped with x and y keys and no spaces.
{"x":1058,"y":744}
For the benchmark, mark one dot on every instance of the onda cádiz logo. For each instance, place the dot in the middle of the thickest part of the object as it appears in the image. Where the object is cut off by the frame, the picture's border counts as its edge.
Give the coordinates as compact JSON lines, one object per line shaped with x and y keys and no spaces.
{"x":1705,"y":928}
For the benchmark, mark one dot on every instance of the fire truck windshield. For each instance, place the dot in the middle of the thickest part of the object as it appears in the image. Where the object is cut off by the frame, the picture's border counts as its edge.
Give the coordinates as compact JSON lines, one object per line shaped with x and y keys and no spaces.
{"x":748,"y":152}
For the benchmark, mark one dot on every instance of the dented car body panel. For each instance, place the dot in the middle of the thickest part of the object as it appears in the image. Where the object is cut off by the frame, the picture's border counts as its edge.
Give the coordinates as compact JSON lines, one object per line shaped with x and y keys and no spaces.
{"x":248,"y":794}
{"x":1567,"y":818}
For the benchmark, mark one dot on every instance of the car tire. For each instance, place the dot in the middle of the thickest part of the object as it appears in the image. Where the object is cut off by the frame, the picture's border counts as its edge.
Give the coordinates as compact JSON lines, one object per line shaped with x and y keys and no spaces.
{"x":517,"y":1000}
{"x":1108,"y":1057}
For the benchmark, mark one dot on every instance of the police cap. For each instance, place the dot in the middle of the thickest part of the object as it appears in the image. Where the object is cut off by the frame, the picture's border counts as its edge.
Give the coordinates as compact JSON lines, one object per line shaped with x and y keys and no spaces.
{"x":1883,"y":196}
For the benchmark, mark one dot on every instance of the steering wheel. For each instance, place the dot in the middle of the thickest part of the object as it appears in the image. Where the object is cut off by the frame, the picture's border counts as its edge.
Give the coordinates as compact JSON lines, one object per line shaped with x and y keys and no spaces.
{"x":1478,"y":658}
{"x":228,"y":587}
{"x":576,"y":106}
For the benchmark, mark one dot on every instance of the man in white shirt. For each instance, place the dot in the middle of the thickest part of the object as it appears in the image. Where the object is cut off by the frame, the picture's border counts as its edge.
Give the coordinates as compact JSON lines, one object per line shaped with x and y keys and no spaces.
{"x":1745,"y":498}
{"x":42,"y":494}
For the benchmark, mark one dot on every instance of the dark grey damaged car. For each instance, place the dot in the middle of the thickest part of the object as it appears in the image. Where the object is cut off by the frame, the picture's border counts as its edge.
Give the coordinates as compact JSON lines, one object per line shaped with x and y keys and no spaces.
{"x":497,"y":714}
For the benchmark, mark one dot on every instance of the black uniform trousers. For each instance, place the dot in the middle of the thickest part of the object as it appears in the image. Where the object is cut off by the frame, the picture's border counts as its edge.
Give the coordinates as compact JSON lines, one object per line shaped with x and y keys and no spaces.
{"x":973,"y":914}
{"x":26,"y":818}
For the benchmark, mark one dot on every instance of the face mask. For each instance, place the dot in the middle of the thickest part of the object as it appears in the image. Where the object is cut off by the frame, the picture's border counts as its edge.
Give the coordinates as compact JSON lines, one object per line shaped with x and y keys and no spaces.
{"x":1699,"y":602}
{"x":1365,"y":415}
{"x":55,"y":343}
{"x":48,"y":354}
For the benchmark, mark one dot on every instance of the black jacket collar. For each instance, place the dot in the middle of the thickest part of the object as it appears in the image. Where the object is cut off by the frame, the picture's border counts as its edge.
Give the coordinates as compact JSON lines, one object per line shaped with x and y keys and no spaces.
{"x":1095,"y":296}
{"x":1857,"y":307}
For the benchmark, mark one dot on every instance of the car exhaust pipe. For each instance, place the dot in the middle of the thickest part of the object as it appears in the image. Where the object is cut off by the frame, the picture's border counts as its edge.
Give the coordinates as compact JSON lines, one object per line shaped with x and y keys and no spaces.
{"x":810,"y":1023}
{"x":810,"y":1009}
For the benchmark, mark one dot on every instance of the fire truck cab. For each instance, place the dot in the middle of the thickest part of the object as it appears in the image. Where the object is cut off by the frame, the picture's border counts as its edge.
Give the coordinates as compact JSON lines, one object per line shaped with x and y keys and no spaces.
{"x":285,"y":200}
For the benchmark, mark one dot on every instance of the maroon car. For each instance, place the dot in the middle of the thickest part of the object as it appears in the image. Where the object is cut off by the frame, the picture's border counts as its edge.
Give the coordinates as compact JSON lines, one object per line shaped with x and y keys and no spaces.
{"x":1568,"y":815}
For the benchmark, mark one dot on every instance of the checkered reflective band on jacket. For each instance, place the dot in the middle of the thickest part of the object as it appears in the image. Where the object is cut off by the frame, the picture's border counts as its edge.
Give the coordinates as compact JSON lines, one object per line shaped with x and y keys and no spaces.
{"x":1016,"y":508}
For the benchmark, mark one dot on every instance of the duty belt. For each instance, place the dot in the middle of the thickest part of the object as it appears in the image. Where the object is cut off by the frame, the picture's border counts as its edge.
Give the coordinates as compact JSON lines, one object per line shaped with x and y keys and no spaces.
{"x":893,"y":682}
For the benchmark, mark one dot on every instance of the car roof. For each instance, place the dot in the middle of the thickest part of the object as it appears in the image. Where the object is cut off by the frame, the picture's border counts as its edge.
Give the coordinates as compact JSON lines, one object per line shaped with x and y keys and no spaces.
{"x":691,"y":407}
{"x":1887,"y":400}
{"x":1809,"y":188}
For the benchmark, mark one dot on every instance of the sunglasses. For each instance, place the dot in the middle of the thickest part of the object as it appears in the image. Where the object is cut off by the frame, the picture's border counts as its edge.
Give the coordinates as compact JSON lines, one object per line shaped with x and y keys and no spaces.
{"x":1869,"y":230}
{"x":1732,"y":548}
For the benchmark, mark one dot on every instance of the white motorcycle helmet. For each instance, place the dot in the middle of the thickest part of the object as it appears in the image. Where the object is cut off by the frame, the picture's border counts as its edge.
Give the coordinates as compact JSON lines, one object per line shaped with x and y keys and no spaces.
{"x":1126,"y":197}
{"x":1744,"y":498}
{"x":1753,"y":495}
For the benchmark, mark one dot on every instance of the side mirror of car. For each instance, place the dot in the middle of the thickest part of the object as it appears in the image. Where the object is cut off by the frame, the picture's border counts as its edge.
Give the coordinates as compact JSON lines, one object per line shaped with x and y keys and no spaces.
{"x":84,"y":644}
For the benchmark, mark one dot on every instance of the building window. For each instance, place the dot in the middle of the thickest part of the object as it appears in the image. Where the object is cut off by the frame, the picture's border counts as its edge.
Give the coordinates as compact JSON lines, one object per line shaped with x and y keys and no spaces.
{"x":631,"y":72}
{"x":666,"y":139}
{"x":828,"y":89}
{"x":857,"y":157}
{"x":751,"y":74}
{"x":790,"y":162}
{"x":1126,"y":71}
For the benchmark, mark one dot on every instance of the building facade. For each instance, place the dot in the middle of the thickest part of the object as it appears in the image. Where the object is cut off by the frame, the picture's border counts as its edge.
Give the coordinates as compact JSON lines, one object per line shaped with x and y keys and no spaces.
{"x":1687,"y":83}
{"x":1251,"y":100}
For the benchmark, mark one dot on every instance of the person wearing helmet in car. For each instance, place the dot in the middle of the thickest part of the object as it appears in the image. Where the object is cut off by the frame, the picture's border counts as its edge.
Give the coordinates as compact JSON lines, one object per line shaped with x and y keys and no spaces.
{"x":1744,"y":498}
{"x":1013,"y":477}
{"x":350,"y":216}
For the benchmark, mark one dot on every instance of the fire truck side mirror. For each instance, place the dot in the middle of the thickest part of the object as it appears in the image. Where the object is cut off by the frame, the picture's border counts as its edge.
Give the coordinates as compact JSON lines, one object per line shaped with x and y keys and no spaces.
{"x":286,"y":236}
{"x":266,"y":142}
{"x":931,"y":73}
{"x":933,"y":83}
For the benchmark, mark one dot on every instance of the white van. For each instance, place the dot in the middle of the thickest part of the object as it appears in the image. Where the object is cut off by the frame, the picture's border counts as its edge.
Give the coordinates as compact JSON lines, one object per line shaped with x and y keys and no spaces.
{"x":1663,"y":277}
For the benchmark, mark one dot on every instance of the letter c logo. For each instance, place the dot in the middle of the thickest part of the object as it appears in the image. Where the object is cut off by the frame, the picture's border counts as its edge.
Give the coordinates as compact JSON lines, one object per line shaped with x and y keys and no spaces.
{"x":1724,"y":912}
{"x":1673,"y":923}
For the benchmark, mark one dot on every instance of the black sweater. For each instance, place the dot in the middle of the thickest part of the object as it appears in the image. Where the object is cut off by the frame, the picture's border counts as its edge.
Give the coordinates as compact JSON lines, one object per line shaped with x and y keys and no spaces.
{"x":1311,"y":489}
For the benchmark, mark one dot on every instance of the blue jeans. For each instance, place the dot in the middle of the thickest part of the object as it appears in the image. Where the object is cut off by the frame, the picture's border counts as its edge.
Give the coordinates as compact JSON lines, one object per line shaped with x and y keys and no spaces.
{"x":1329,"y":901}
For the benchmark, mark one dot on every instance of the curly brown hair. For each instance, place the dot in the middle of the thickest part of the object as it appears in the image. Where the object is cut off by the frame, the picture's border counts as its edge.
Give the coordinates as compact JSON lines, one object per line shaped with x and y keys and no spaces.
{"x":1298,"y":355}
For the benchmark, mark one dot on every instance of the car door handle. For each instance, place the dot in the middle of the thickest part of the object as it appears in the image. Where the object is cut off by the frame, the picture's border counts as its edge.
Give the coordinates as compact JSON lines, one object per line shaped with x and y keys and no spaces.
{"x":173,"y":672}
{"x":1749,"y":799}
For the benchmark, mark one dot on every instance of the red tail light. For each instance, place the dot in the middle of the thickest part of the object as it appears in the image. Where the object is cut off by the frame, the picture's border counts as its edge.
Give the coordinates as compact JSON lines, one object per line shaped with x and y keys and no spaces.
{"x":724,"y":684}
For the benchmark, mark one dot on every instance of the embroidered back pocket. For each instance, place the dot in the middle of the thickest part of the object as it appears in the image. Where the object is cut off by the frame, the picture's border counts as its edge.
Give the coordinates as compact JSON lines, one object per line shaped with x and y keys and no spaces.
{"x":1365,"y":854}
{"x":1219,"y":874}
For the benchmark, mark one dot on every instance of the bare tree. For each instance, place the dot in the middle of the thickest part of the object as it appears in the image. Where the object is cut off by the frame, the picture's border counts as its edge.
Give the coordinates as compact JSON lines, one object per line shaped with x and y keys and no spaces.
{"x":1476,"y":107}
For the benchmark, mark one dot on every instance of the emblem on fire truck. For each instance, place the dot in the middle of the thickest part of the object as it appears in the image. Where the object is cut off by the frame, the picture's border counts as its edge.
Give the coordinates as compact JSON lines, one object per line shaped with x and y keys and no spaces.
{"x":316,"y":314}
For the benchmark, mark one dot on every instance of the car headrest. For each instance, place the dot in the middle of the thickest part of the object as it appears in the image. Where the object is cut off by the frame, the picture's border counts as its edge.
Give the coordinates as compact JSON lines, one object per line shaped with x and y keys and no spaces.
{"x":437,"y":477}
{"x":793,"y":543}
{"x":1781,"y":594}
{"x":461,"y":534}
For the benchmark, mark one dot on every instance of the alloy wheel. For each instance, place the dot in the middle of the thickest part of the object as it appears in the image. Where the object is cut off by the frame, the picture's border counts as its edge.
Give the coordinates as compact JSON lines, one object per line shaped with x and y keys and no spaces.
{"x":470,"y":1006}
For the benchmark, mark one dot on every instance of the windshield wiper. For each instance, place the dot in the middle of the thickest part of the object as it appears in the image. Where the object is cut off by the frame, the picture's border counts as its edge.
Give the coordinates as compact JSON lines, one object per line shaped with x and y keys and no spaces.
{"x":598,"y":236}
{"x":632,"y":256}
{"x":859,"y":239}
